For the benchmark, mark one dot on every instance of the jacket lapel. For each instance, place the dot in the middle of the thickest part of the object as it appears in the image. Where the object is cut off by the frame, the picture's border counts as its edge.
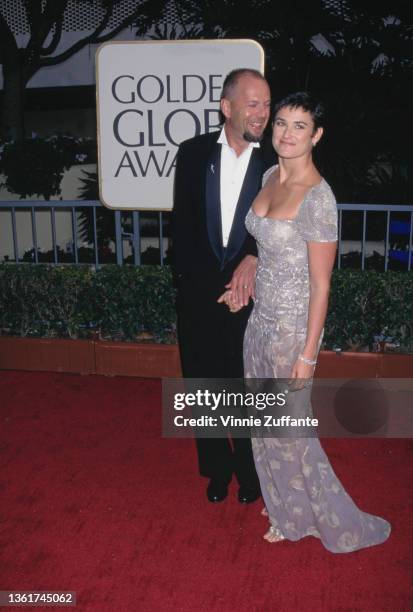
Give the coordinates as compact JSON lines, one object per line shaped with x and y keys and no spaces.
{"x":213,"y":201}
{"x":250,"y":188}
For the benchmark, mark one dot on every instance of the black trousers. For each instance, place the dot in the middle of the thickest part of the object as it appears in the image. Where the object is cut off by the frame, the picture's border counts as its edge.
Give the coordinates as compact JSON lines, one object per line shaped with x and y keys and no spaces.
{"x":211,"y":346}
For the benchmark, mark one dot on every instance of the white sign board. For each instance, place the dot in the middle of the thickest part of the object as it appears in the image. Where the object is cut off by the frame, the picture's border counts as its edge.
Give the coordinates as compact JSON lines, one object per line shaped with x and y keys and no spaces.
{"x":151,"y":96}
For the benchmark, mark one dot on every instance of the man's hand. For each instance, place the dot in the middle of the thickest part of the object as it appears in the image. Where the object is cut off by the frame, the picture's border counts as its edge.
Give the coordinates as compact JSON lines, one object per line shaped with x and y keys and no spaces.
{"x":242,"y":284}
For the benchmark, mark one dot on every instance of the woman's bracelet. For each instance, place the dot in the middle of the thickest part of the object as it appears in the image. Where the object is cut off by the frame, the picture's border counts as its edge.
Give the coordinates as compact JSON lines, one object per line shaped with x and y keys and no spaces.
{"x":307,"y":361}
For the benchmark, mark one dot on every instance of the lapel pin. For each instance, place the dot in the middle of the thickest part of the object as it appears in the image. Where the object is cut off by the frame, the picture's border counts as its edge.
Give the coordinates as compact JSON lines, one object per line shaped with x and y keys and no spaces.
{"x":212,"y":168}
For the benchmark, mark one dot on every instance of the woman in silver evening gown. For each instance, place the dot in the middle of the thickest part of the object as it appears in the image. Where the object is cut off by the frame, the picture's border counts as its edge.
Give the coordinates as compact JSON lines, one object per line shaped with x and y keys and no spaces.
{"x":294,"y":221}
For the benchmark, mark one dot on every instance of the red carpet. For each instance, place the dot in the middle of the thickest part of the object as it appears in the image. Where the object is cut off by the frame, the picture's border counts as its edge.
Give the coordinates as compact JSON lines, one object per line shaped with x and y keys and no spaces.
{"x":95,"y":501}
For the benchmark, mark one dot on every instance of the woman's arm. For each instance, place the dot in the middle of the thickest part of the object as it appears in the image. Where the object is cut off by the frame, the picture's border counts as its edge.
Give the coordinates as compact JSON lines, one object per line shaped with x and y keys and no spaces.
{"x":321,"y":257}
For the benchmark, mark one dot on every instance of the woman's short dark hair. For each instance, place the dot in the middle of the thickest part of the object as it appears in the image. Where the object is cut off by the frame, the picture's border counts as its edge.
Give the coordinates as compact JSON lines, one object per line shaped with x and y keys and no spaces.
{"x":306,"y":101}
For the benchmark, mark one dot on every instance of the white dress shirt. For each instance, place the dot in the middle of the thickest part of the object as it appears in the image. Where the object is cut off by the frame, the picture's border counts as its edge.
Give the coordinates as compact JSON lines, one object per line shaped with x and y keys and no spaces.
{"x":233,"y":170}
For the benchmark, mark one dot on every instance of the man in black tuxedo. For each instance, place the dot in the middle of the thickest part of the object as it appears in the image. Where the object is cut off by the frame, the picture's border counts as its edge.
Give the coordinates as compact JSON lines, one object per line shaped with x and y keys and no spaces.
{"x":217,"y":177}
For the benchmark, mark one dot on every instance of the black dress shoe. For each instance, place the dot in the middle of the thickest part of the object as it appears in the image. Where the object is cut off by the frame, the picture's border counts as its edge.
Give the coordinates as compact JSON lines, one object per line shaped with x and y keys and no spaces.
{"x":217,"y":490}
{"x":247,"y":495}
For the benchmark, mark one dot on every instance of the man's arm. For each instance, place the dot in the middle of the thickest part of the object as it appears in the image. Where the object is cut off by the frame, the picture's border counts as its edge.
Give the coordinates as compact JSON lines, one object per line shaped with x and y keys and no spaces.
{"x":180,"y":218}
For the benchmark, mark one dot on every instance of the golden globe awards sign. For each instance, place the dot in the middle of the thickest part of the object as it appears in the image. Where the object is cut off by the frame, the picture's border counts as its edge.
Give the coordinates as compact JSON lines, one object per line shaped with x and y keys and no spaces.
{"x":151,"y":96}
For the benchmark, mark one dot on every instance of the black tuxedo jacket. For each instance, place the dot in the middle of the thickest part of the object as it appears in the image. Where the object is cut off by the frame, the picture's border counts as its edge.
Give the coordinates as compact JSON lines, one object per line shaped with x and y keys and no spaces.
{"x":198,"y":256}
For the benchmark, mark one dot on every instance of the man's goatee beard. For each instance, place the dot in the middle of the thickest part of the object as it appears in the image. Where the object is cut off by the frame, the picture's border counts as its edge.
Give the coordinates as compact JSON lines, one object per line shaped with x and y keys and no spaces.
{"x":251,"y":138}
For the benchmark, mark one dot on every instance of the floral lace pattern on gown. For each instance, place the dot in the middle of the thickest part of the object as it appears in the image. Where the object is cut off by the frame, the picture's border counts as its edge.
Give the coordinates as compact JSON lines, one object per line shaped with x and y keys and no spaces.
{"x":302,"y":494}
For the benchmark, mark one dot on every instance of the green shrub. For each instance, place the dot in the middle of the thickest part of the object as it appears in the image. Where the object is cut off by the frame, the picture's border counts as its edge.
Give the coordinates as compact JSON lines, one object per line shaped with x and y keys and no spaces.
{"x":369,"y":304}
{"x":44,"y":301}
{"x":131,"y":303}
{"x":128,"y":303}
{"x":137,"y":303}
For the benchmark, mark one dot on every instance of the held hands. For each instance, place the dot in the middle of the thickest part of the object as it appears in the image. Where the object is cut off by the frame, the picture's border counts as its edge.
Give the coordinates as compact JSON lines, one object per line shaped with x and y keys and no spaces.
{"x":228,"y":298}
{"x":242,"y":285}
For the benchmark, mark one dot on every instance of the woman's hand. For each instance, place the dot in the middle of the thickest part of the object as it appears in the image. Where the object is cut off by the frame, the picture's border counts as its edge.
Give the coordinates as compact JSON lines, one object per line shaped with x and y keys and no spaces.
{"x":300,"y":373}
{"x":230,"y":299}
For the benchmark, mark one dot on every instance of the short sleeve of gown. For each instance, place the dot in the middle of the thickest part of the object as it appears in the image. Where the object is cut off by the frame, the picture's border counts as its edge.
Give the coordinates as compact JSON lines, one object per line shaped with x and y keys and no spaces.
{"x":267,"y":174}
{"x":317,"y":218}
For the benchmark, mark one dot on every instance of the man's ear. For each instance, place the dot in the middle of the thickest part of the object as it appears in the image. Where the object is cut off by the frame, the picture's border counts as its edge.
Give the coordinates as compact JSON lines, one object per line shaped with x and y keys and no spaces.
{"x":225,"y":107}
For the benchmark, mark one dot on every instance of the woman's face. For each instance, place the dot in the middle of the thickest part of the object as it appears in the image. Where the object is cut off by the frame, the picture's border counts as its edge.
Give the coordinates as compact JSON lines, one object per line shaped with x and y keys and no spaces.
{"x":293,"y":133}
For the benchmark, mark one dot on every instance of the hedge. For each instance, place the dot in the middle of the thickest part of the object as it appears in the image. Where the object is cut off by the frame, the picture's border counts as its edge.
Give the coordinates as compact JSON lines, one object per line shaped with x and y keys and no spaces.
{"x":137,"y":304}
{"x":127,"y":303}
